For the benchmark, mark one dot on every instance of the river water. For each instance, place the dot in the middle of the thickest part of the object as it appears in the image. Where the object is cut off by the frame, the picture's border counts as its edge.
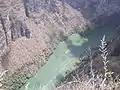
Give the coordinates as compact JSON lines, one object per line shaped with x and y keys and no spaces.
{"x":65,"y":57}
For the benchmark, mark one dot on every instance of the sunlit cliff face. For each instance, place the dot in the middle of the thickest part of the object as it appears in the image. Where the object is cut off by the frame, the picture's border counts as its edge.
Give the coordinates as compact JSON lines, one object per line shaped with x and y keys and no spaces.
{"x":26,"y":21}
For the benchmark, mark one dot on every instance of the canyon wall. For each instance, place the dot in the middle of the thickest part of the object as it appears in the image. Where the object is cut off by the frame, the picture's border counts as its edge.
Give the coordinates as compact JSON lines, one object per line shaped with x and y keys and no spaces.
{"x":30,"y":28}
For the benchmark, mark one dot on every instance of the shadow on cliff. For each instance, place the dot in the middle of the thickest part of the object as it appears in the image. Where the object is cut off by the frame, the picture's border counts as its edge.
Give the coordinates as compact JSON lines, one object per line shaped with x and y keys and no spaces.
{"x":89,"y":12}
{"x":94,"y":36}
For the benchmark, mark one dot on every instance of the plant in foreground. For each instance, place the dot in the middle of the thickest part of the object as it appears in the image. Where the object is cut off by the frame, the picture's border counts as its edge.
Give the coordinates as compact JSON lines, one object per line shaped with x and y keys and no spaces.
{"x":104,"y":54}
{"x":96,"y":82}
{"x":1,"y":78}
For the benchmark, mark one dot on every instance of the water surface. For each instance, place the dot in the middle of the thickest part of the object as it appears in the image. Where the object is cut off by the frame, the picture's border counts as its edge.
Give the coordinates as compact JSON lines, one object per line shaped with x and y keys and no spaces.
{"x":65,"y":57}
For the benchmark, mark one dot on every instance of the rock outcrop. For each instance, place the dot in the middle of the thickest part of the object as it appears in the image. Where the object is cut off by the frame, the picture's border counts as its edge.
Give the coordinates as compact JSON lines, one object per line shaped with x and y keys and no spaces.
{"x":94,"y":8}
{"x":31,"y":27}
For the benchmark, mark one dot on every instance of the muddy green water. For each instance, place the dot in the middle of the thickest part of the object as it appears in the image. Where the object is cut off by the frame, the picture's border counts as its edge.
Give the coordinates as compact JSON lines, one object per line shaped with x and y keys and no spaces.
{"x":65,"y":57}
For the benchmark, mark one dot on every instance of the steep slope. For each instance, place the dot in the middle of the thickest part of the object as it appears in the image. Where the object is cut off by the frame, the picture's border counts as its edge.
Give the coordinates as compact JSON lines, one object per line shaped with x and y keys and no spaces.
{"x":32,"y":27}
{"x":29,"y":29}
{"x":94,"y":8}
{"x":33,"y":23}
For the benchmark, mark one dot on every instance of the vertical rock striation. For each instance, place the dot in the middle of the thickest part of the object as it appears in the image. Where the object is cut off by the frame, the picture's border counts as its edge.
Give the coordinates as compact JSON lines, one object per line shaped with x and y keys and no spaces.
{"x":31,"y":27}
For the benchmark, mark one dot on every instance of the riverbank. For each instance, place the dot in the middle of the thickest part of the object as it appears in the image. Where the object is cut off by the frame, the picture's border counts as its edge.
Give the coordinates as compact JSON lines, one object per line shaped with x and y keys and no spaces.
{"x":47,"y":78}
{"x":92,"y":69}
{"x":32,"y":35}
{"x":19,"y":77}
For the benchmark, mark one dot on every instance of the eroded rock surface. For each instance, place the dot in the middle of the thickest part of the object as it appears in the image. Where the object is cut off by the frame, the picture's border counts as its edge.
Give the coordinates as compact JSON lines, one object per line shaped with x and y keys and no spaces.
{"x":31,"y":27}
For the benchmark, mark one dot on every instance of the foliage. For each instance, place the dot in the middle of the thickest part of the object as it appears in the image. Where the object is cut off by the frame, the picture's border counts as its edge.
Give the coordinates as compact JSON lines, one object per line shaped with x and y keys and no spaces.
{"x":81,"y":81}
{"x":104,"y":54}
{"x":76,"y":39}
{"x":1,"y":78}
{"x":14,"y":81}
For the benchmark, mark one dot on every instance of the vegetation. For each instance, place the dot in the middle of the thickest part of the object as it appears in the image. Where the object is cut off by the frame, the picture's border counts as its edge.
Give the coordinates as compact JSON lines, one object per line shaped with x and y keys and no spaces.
{"x":57,"y":65}
{"x":17,"y":79}
{"x":1,"y":78}
{"x":93,"y":81}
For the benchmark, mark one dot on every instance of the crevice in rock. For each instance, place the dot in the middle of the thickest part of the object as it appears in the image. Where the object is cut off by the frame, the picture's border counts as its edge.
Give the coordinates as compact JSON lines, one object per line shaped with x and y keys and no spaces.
{"x":18,"y":29}
{"x":26,"y":8}
{"x":4,"y":28}
{"x":37,"y":5}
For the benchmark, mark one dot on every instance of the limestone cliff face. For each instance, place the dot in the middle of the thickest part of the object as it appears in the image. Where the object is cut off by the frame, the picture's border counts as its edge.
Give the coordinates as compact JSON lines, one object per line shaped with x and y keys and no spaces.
{"x":94,"y":8}
{"x":100,"y":12}
{"x":30,"y":28}
{"x":3,"y":41}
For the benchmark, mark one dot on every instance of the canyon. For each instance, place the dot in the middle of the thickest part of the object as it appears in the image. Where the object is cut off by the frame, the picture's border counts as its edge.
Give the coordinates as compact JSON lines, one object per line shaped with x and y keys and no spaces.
{"x":31,"y":29}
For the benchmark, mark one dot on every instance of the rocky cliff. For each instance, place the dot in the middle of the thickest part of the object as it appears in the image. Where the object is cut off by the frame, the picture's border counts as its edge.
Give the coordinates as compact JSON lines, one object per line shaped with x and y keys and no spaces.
{"x":94,"y":8}
{"x":30,"y":28}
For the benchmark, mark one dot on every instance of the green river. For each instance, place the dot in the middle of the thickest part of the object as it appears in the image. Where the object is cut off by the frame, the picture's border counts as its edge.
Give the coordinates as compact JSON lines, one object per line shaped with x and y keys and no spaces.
{"x":65,"y":58}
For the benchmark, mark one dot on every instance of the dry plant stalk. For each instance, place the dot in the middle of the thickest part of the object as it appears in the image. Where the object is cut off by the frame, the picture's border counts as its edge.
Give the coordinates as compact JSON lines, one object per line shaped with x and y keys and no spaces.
{"x":1,"y":78}
{"x":96,"y":82}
